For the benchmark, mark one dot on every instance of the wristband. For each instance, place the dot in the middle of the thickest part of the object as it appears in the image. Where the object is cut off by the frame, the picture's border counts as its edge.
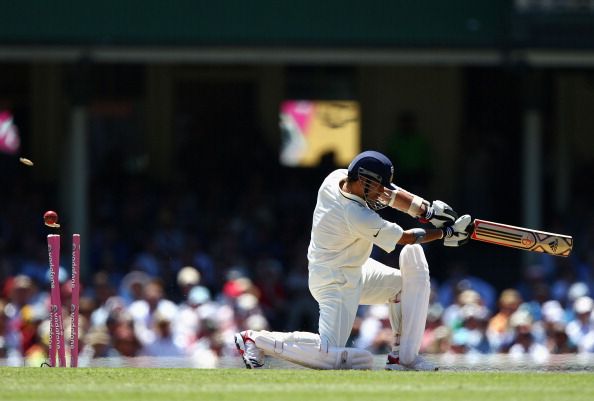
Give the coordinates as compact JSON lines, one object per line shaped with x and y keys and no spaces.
{"x":419,"y":234}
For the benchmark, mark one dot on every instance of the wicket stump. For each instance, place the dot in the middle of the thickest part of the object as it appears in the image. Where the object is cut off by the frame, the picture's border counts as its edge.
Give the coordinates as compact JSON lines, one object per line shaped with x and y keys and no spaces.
{"x":56,"y":336}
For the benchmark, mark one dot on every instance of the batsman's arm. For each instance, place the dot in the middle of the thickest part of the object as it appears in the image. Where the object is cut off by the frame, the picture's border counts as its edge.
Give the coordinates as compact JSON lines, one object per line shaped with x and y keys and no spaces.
{"x":420,"y":236}
{"x":438,"y":213}
{"x":406,"y":202}
{"x":454,"y":235}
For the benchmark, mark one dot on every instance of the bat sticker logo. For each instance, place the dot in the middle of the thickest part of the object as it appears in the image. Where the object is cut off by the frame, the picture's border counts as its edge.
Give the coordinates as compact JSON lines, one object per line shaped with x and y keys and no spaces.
{"x":527,"y":241}
{"x":553,"y":244}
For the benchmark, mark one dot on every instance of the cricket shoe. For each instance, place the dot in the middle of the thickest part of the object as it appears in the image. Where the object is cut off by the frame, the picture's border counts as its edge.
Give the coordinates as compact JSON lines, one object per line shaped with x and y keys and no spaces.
{"x":419,"y":364}
{"x":251,"y":355}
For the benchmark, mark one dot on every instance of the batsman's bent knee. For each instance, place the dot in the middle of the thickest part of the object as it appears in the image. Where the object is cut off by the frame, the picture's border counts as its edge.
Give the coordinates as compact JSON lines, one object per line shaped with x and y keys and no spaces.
{"x":413,"y":262}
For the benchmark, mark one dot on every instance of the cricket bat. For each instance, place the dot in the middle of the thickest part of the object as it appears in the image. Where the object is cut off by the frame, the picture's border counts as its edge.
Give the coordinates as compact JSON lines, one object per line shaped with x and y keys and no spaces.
{"x":521,"y":238}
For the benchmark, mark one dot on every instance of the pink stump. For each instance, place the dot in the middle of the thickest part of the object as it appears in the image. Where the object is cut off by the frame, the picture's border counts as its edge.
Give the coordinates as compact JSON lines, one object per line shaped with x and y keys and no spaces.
{"x":56,"y":325}
{"x":74,"y":308}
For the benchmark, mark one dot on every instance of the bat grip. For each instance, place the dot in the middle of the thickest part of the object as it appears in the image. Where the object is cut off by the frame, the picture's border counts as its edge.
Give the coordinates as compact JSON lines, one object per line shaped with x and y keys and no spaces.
{"x":470,"y":228}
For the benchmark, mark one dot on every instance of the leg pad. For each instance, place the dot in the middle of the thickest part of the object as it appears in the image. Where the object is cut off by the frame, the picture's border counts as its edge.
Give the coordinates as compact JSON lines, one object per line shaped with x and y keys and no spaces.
{"x":306,"y":349}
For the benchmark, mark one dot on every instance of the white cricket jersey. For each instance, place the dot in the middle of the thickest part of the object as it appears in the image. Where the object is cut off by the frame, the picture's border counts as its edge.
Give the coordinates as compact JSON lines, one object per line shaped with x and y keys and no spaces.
{"x":344,"y":228}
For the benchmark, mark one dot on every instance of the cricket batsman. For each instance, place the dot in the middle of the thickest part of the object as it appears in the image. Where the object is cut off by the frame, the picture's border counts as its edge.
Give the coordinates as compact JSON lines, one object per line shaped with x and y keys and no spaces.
{"x":342,"y":275}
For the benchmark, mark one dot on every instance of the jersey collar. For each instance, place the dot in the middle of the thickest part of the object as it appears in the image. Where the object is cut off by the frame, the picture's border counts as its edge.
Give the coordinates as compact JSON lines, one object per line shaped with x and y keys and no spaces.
{"x":351,"y":196}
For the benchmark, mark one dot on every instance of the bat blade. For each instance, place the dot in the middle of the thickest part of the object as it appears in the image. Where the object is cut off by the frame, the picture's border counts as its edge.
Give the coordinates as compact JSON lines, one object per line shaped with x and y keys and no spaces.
{"x":521,"y":238}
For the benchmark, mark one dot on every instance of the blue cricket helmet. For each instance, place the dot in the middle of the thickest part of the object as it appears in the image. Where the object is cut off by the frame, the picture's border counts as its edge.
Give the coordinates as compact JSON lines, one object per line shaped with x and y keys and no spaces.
{"x":373,"y":165}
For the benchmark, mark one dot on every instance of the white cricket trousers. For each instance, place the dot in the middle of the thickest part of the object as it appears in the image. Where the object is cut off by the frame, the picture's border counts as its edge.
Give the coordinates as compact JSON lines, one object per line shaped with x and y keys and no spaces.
{"x":339,"y":292}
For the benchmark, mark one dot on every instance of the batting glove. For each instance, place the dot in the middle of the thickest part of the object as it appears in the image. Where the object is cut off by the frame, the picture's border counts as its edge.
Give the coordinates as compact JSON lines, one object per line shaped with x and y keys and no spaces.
{"x":457,"y":234}
{"x":439,"y":214}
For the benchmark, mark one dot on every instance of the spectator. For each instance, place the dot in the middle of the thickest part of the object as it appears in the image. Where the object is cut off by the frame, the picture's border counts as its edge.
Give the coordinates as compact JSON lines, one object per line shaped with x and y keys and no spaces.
{"x":208,"y":345}
{"x":10,"y":342}
{"x":576,"y":290}
{"x":100,"y":315}
{"x":452,"y":315}
{"x":21,"y":293}
{"x":580,"y":330}
{"x":552,"y":330}
{"x":38,"y":353}
{"x":32,"y":316}
{"x":375,"y":332}
{"x":163,"y":344}
{"x":472,"y":335}
{"x":97,"y":345}
{"x":143,"y":311}
{"x":499,"y":329}
{"x":245,"y":306}
{"x":132,"y":286}
{"x":187,"y":278}
{"x":101,"y":291}
{"x":125,"y":342}
{"x":197,"y":306}
{"x":557,"y":340}
{"x":523,"y":342}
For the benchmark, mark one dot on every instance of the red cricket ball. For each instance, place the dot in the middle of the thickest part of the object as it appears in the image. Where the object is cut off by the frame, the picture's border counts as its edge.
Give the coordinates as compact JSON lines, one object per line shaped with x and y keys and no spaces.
{"x":50,"y":218}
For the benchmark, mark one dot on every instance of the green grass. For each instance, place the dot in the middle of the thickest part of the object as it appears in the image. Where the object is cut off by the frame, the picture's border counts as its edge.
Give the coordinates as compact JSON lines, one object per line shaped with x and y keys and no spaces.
{"x":127,"y":384}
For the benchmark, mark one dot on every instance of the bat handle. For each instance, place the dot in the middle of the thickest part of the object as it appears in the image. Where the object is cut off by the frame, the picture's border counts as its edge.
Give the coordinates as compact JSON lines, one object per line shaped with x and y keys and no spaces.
{"x":470,"y":228}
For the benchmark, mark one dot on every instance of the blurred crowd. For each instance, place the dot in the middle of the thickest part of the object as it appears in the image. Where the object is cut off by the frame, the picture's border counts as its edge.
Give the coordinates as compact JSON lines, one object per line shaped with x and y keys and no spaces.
{"x":138,"y":318}
{"x":134,"y":319}
{"x":535,"y":327}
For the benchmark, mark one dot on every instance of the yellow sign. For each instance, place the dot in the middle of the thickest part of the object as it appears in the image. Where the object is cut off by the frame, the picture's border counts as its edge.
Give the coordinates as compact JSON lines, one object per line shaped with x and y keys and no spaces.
{"x":312,"y":129}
